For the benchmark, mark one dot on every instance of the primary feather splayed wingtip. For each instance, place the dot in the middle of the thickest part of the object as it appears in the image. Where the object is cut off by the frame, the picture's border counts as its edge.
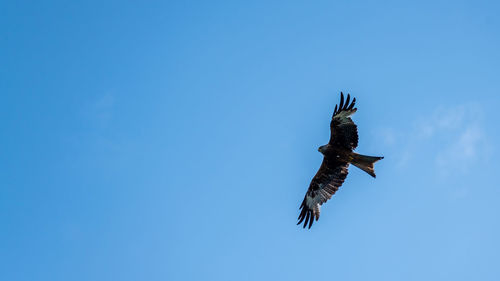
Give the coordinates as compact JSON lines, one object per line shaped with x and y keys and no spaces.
{"x":308,"y":216}
{"x":345,"y":106}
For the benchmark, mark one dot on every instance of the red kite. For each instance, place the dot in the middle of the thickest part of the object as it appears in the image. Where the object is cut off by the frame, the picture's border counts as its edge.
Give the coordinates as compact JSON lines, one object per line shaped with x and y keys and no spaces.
{"x":338,"y":154}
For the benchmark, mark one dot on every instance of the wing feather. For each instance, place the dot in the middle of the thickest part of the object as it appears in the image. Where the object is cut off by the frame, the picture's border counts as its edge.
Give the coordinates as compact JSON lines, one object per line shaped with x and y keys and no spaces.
{"x":325,"y":183}
{"x":343,"y":131}
{"x":332,"y":173}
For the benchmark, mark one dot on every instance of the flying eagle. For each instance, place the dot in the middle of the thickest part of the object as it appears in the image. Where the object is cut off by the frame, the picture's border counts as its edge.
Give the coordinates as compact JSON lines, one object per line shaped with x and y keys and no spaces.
{"x":338,"y":154}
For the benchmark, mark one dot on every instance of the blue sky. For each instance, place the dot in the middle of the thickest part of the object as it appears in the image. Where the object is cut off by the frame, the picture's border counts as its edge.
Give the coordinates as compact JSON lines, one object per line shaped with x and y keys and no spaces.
{"x":175,"y":140}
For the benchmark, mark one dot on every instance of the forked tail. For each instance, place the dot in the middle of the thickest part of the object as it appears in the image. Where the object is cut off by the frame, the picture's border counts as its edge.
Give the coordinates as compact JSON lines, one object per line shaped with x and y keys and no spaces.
{"x":364,"y":162}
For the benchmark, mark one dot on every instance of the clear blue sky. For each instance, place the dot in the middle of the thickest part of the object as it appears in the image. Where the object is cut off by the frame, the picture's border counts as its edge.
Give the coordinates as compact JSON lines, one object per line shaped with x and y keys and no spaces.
{"x":175,"y":140}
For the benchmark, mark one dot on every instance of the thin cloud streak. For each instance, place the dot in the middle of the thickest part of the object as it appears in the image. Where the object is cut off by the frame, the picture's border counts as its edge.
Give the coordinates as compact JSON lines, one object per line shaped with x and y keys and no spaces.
{"x":453,"y":138}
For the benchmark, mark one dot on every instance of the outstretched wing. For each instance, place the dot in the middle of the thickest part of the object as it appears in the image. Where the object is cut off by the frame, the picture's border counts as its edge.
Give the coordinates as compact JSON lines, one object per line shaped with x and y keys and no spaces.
{"x":343,"y":131}
{"x":325,"y":183}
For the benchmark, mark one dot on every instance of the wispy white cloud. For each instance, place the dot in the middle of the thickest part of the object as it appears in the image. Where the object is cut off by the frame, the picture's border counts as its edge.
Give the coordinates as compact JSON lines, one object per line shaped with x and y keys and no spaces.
{"x":459,"y":137}
{"x":453,"y":137}
{"x":447,"y":119}
{"x":465,"y":150}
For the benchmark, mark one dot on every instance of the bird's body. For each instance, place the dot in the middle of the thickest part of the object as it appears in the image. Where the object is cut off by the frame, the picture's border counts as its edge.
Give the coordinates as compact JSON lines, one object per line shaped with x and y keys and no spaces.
{"x":338,"y":154}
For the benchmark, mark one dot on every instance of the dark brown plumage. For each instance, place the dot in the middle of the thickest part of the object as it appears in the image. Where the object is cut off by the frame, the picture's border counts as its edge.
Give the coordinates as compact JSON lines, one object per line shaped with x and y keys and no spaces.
{"x":338,"y":154}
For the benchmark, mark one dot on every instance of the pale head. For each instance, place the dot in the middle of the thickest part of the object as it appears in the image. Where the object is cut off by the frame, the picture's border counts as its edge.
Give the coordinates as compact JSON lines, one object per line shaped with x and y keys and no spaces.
{"x":323,"y":148}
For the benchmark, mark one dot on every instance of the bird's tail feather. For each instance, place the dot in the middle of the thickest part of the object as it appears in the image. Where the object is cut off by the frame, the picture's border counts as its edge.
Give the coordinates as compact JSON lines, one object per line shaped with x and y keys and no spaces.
{"x":364,"y":162}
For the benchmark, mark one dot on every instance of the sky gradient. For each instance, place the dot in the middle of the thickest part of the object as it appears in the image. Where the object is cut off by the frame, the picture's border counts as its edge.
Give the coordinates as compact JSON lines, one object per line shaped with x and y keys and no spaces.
{"x":175,"y":140}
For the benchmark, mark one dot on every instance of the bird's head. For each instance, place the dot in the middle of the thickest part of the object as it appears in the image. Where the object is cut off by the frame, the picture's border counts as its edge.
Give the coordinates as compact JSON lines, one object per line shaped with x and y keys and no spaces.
{"x":323,"y":148}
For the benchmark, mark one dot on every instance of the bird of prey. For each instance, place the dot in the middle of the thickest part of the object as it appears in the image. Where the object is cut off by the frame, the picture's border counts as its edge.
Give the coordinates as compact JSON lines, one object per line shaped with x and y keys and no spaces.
{"x":338,"y":154}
